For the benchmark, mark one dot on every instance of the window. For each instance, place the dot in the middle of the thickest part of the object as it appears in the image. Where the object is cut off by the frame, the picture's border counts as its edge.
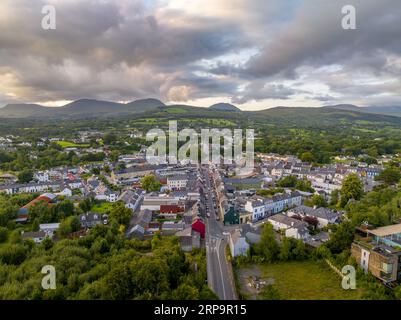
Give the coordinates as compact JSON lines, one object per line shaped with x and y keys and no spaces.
{"x":386,"y":267}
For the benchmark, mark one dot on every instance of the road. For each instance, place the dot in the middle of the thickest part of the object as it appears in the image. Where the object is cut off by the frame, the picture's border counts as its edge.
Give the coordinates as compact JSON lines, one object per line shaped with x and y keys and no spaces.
{"x":219,"y":271}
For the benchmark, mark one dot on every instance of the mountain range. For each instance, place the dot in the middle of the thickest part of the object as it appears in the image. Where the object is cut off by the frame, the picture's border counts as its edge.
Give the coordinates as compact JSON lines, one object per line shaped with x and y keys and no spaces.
{"x":89,"y":108}
{"x":390,"y":110}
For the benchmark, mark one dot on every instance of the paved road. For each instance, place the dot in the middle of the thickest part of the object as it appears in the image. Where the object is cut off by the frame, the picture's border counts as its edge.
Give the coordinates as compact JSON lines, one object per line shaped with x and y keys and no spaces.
{"x":219,"y":271}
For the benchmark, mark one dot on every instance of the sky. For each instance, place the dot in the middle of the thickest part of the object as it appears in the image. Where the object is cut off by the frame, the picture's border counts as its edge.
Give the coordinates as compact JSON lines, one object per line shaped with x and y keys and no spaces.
{"x":255,"y":54}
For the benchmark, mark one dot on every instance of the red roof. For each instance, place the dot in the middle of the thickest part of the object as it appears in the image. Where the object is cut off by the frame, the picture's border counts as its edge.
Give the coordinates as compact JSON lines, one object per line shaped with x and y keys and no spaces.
{"x":38,"y":199}
{"x":199,"y":227}
{"x":171,"y":208}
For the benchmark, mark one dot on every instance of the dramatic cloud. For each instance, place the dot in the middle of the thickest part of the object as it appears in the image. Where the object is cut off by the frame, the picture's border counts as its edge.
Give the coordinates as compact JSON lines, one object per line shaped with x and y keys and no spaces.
{"x":254,"y":53}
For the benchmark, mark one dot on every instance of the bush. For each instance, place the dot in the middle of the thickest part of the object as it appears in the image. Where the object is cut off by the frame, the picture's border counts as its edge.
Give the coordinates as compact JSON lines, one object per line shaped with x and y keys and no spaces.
{"x":13,"y":254}
{"x":3,"y":234}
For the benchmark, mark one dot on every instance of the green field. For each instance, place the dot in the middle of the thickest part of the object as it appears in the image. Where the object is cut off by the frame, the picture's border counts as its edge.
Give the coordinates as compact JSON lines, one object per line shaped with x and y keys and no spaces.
{"x":176,"y":110}
{"x":69,"y":144}
{"x":149,"y":121}
{"x":306,"y":280}
{"x":103,"y":207}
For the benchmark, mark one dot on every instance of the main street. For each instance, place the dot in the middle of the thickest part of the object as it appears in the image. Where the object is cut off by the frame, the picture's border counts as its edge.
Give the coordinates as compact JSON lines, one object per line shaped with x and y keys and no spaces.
{"x":219,"y":271}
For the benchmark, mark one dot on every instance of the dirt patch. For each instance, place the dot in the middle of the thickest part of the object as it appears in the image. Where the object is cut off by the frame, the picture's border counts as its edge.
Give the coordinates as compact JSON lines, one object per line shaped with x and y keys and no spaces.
{"x":248,"y":278}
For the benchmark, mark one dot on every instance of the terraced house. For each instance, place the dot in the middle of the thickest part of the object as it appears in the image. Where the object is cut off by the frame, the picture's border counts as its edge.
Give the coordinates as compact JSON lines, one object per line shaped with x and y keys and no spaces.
{"x":262,"y":208}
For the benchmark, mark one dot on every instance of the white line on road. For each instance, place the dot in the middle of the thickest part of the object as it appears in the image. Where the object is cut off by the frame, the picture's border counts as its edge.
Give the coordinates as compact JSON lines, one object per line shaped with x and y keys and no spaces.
{"x":221,"y":270}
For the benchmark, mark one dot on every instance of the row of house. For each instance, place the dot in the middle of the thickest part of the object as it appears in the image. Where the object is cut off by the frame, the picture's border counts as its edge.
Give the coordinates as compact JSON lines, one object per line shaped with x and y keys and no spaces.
{"x":261,"y":207}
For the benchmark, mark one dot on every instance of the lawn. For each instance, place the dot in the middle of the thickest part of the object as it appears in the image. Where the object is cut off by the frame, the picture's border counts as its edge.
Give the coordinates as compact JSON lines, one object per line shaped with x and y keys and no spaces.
{"x":102,"y":207}
{"x":307,"y":280}
{"x":69,"y":144}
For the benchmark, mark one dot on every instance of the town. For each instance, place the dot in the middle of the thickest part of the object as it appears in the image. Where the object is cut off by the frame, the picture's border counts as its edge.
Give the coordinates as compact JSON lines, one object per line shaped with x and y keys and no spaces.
{"x":204,"y":206}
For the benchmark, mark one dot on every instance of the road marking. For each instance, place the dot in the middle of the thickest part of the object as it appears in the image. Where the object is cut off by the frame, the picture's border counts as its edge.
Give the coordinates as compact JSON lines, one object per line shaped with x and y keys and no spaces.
{"x":221,"y":271}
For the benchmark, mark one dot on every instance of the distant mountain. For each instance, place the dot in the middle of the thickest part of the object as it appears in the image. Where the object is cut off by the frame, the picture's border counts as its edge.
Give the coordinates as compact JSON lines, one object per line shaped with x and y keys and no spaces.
{"x":89,"y":106}
{"x":348,"y":107}
{"x":145,"y":104}
{"x":391,"y":111}
{"x":21,"y":110}
{"x":319,"y":117}
{"x":81,"y":107}
{"x":224,"y":107}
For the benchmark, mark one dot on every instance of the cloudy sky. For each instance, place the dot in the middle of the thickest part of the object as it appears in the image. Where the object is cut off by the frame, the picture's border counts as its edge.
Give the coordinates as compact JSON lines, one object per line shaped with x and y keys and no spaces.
{"x":253,"y":53}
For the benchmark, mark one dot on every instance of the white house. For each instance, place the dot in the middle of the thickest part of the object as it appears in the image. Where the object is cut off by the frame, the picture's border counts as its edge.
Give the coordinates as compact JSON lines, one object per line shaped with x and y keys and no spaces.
{"x":257,"y":208}
{"x":238,"y":244}
{"x":42,"y":176}
{"x":131,"y":198}
{"x":177,"y":182}
{"x":49,"y":228}
{"x":67,"y":192}
{"x":37,"y":237}
{"x":293,"y":228}
{"x":153,"y":202}
{"x":261,"y":207}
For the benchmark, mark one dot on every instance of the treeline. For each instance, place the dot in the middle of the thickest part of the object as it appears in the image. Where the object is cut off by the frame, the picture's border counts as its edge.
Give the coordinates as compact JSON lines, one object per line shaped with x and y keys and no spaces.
{"x":319,"y":145}
{"x":103,"y":265}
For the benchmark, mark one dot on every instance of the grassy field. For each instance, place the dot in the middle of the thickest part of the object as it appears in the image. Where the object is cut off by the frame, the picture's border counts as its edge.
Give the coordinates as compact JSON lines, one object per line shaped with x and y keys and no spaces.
{"x":176,"y":110}
{"x":102,"y":207}
{"x":306,"y":280}
{"x":69,"y":144}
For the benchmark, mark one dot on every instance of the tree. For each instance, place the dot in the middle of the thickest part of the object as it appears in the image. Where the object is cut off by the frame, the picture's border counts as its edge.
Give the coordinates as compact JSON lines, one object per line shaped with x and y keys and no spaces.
{"x":3,"y":234}
{"x":68,"y":225}
{"x":286,"y":249}
{"x":307,"y":157}
{"x":86,"y":204}
{"x":300,"y":252}
{"x":13,"y":254}
{"x":119,"y":282}
{"x":304,"y":185}
{"x":25,"y":176}
{"x":389,"y":176}
{"x":109,"y":138}
{"x":185,"y":292}
{"x":150,"y":183}
{"x":8,"y":212}
{"x":120,"y":214}
{"x":334,"y":197}
{"x":352,"y":188}
{"x":317,"y":200}
{"x":341,"y":238}
{"x":288,"y":182}
{"x":149,"y":274}
{"x":35,"y":225}
{"x":268,"y":247}
{"x":41,"y":211}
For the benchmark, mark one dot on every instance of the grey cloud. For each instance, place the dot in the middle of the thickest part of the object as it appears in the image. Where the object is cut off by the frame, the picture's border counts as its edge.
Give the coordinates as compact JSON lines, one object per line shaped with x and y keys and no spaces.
{"x":126,"y":49}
